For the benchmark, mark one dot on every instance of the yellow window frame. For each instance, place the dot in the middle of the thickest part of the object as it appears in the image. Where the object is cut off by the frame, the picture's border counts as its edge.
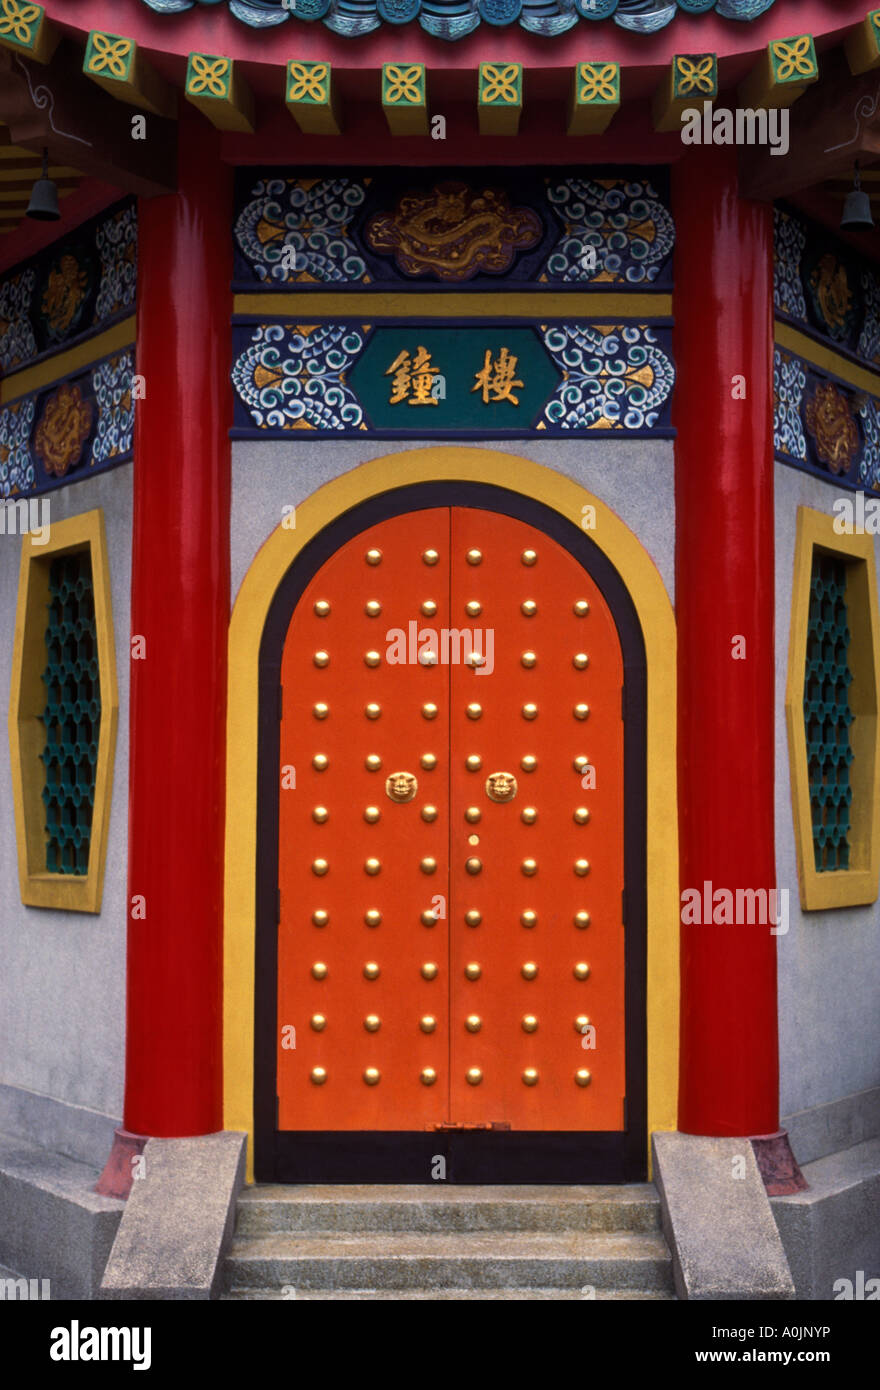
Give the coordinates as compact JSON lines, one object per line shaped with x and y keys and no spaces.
{"x":27,"y":699}
{"x":857,"y":884}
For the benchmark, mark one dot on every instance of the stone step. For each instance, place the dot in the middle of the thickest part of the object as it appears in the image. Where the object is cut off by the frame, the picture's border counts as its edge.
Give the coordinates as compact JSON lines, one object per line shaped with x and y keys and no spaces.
{"x":53,"y":1225}
{"x":831,"y":1231}
{"x":448,"y":1295}
{"x":483,"y":1260}
{"x":269,"y":1208}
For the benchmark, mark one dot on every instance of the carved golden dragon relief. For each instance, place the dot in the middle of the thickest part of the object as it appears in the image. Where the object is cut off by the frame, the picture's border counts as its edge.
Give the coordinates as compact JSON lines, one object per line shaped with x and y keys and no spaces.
{"x":454,"y":231}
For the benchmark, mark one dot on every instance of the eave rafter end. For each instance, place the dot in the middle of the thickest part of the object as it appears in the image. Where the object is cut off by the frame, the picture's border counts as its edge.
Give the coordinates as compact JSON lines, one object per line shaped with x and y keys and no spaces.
{"x":115,"y":63}
{"x":311,"y":98}
{"x":594,"y":98}
{"x":690,"y":80}
{"x":26,"y":28}
{"x":784,"y":71}
{"x":215,"y":86}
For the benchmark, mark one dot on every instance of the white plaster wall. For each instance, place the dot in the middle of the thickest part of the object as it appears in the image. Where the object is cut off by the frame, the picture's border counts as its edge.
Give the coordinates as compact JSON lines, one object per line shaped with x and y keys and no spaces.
{"x":62,"y":977}
{"x":829,"y":962}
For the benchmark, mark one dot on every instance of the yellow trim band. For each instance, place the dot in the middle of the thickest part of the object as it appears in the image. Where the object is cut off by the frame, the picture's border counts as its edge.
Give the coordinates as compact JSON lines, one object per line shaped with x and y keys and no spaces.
{"x":525,"y":304}
{"x":642,"y":579}
{"x":64,"y":364}
{"x":827,"y":359}
{"x":858,"y":884}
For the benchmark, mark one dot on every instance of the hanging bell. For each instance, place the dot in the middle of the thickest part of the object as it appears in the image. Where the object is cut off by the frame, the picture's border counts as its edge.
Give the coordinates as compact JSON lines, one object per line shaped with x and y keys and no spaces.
{"x":43,"y":205}
{"x":857,"y":208}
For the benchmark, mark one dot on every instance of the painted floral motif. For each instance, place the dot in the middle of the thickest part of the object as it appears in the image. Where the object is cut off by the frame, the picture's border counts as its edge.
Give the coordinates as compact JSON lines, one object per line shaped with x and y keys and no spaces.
{"x":831,"y":296}
{"x":111,"y":383}
{"x":16,"y":466}
{"x":294,"y":377}
{"x":869,"y":338}
{"x":788,"y":247}
{"x":298,"y":230}
{"x":63,"y":430}
{"x":831,"y":427}
{"x":789,"y":384}
{"x":17,"y":342}
{"x":64,"y":296}
{"x":869,"y":464}
{"x":614,"y":377}
{"x":615,"y":231}
{"x":351,"y":18}
{"x":116,"y":240}
{"x":454,"y":232}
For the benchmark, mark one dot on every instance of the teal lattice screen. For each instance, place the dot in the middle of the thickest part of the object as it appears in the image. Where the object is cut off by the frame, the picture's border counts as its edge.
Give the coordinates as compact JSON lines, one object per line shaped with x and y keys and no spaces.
{"x":827,"y":715}
{"x":72,"y":714}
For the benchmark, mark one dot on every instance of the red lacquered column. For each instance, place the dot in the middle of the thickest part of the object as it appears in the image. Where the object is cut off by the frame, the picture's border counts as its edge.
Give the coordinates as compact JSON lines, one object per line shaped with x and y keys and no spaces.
{"x":725,"y":590}
{"x":180,"y":606}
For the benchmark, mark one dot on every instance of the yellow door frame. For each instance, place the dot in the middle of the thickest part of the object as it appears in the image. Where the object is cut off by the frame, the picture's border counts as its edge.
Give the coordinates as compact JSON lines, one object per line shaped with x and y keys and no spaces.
{"x":450,"y":463}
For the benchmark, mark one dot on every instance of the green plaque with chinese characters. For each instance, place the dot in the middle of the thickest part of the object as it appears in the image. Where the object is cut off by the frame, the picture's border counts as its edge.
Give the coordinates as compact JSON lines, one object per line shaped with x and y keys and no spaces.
{"x":471,"y":379}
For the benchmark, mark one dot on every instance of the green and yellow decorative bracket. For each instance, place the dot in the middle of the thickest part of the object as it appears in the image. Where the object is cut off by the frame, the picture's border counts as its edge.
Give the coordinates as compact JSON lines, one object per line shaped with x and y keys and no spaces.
{"x":27,"y":29}
{"x":499,"y":100}
{"x":216,"y":87}
{"x":862,"y":45}
{"x":783,"y":72}
{"x":116,"y":65}
{"x":690,"y":79}
{"x":404,"y":98}
{"x":310,"y":98}
{"x":594,"y":98}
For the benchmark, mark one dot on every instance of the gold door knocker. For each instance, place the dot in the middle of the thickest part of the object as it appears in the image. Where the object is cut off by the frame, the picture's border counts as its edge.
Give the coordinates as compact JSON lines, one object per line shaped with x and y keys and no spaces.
{"x":501,"y":786}
{"x":401,"y":786}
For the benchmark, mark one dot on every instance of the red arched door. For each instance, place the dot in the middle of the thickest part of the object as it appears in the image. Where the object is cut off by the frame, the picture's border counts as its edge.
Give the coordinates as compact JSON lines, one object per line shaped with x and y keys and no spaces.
{"x":451,"y":840}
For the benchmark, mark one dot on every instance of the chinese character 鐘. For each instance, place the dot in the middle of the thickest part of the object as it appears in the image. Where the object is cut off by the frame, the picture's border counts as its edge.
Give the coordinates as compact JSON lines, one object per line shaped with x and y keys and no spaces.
{"x":412,"y":378}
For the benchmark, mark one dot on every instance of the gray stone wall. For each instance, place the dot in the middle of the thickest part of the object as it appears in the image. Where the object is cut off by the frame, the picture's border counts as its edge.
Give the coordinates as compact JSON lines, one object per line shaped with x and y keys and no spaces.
{"x":62,"y":982}
{"x":829,"y":962}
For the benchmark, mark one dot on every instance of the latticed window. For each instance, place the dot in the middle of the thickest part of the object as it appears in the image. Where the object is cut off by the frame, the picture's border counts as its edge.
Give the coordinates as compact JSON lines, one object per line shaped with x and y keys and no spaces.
{"x":72,"y":714}
{"x":827,"y":713}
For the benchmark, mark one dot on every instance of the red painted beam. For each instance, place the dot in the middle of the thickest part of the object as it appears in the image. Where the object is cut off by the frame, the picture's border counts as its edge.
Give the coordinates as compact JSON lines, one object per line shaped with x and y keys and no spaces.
{"x":180,"y":607}
{"x":725,"y":591}
{"x":541,"y":140}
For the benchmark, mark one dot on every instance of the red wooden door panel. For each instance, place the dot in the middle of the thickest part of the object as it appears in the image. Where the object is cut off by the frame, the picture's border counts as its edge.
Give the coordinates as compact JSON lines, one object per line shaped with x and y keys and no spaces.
{"x":530,"y":974}
{"x":366,"y":1034}
{"x":442,"y":944}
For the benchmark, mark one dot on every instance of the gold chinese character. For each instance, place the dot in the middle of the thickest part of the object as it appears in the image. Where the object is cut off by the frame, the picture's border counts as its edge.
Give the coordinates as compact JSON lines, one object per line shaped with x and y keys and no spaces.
{"x":497,"y":378}
{"x":402,"y":383}
{"x":412,"y":378}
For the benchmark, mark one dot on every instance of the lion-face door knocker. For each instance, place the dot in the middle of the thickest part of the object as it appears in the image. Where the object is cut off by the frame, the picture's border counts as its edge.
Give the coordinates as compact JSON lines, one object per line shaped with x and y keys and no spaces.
{"x":401,"y":786}
{"x":501,"y":786}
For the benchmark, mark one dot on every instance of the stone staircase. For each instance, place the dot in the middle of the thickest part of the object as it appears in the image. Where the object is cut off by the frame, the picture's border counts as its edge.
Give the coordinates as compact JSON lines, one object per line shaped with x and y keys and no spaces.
{"x":352,"y":1242}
